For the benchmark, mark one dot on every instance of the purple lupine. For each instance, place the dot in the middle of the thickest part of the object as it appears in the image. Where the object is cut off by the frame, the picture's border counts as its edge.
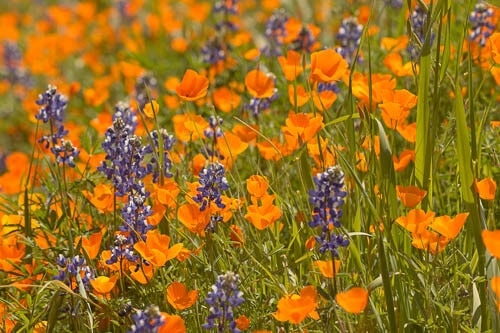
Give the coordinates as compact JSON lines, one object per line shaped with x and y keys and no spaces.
{"x":212,"y":132}
{"x":70,"y":268}
{"x":396,"y":4}
{"x":226,"y":9}
{"x":481,"y":23}
{"x":275,"y":33}
{"x":222,"y":300}
{"x":122,"y":249}
{"x":145,"y":89}
{"x":135,"y":213}
{"x":304,"y":41}
{"x":153,"y":164}
{"x":258,"y":105}
{"x":327,"y":199}
{"x":148,"y":320}
{"x":324,"y":86}
{"x":212,"y":182}
{"x":418,"y":22}
{"x":12,"y":58}
{"x":349,"y":38}
{"x":52,"y":110}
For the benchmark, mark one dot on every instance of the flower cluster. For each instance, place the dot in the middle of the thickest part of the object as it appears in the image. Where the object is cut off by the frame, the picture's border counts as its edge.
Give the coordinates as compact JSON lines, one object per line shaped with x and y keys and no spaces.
{"x":147,"y":321}
{"x":222,"y":300}
{"x":481,"y":23}
{"x":145,"y":89}
{"x":71,"y":268}
{"x":156,"y":164}
{"x":418,"y":22}
{"x":349,"y":38}
{"x":52,"y":109}
{"x":14,"y":72}
{"x":275,"y":33}
{"x":212,"y":182}
{"x":327,"y":199}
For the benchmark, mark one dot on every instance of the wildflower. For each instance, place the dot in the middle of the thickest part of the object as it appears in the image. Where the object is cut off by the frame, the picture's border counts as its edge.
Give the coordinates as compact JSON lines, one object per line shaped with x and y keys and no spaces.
{"x":257,"y":186}
{"x":354,"y":300}
{"x":225,"y":99}
{"x":159,"y":167}
{"x":327,"y":199}
{"x":258,"y":105}
{"x":103,"y":285}
{"x":12,"y":59}
{"x":418,"y":24}
{"x":214,"y":51}
{"x":324,"y":95}
{"x":263,"y":215}
{"x":275,"y":33}
{"x":481,"y":21}
{"x":259,"y":84}
{"x":291,"y":64}
{"x":147,"y":321}
{"x":71,"y":268}
{"x":222,"y":300}
{"x":486,"y":188}
{"x":101,"y":198}
{"x":65,"y":153}
{"x":179,"y":297}
{"x":349,"y":38}
{"x":90,"y":244}
{"x":396,"y":4}
{"x":173,"y":324}
{"x":328,"y":268}
{"x":212,"y":183}
{"x":151,"y":109}
{"x":146,"y":88}
{"x":327,"y":66}
{"x":155,"y":250}
{"x":295,"y":308}
{"x":410,"y":195}
{"x":305,"y":40}
{"x":193,"y":86}
{"x":192,"y":218}
{"x":491,"y":240}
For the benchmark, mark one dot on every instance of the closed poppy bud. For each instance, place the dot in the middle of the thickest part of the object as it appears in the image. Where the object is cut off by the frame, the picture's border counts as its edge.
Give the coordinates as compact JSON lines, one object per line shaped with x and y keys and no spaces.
{"x":259,"y":84}
{"x":327,"y":66}
{"x":410,"y":196}
{"x":354,"y":300}
{"x":486,"y":188}
{"x":242,"y":322}
{"x":328,"y":268}
{"x":193,"y":86}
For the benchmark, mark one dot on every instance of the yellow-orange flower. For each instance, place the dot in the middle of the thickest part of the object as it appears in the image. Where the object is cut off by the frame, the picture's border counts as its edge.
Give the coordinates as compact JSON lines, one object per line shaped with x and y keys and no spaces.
{"x":259,"y":84}
{"x":410,"y":196}
{"x":193,"y":86}
{"x":103,"y":285}
{"x":257,"y":186}
{"x":151,"y":109}
{"x":291,"y":65}
{"x":156,"y":248}
{"x":354,"y":300}
{"x":327,"y":66}
{"x":179,"y":297}
{"x":486,"y":188}
{"x":491,"y":240}
{"x":295,"y":308}
{"x":328,"y":268}
{"x":173,"y":324}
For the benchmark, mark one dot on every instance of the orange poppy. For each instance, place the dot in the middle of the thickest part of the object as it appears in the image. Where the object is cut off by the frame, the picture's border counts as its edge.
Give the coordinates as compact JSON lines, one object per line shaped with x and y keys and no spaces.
{"x":394,"y":44}
{"x":295,"y":308}
{"x":188,"y":127}
{"x":257,"y":186}
{"x":91,"y":244}
{"x":298,"y":96}
{"x":416,"y":221}
{"x":291,"y":65}
{"x":264,"y":215}
{"x":192,"y":218}
{"x":300,"y":128}
{"x":491,"y":240}
{"x":327,"y":66}
{"x":328,"y":268}
{"x":102,"y":285}
{"x":323,"y":100}
{"x":179,"y":297}
{"x":102,"y":198}
{"x":494,"y":42}
{"x":354,"y":300}
{"x":226,"y":99}
{"x":151,"y":109}
{"x":486,"y":188}
{"x":236,"y":235}
{"x":394,"y":62}
{"x":173,"y":324}
{"x":141,"y":273}
{"x":404,"y":159}
{"x":242,"y":322}
{"x":448,"y":227}
{"x":410,"y":196}
{"x":167,"y":193}
{"x":156,"y":248}
{"x":260,"y":84}
{"x":193,"y":86}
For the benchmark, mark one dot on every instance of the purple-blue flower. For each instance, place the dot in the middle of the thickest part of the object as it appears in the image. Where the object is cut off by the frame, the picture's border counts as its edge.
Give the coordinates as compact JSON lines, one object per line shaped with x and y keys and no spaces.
{"x":223,"y":298}
{"x":349,"y":38}
{"x":327,"y":199}
{"x":70,"y":268}
{"x":275,"y":33}
{"x":148,"y":320}
{"x":212,"y":182}
{"x":481,"y":24}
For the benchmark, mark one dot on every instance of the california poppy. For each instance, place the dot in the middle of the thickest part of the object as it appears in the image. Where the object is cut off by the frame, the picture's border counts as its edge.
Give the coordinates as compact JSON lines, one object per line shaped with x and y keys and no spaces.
{"x":410,"y":196}
{"x":173,"y":324}
{"x":193,"y":86}
{"x":328,"y":268}
{"x":291,"y":64}
{"x":102,"y":285}
{"x":259,"y":84}
{"x":354,"y":300}
{"x":156,"y":248}
{"x":327,"y":66}
{"x":491,"y":240}
{"x":295,"y":308}
{"x":486,"y":188}
{"x":179,"y":297}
